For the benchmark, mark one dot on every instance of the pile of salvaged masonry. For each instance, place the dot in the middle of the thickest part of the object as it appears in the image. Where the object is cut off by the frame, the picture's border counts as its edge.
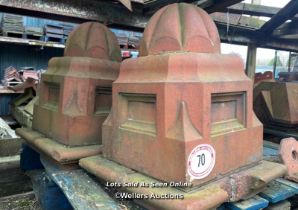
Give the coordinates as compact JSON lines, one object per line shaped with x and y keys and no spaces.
{"x":24,"y":80}
{"x":13,"y":77}
{"x":181,"y":112}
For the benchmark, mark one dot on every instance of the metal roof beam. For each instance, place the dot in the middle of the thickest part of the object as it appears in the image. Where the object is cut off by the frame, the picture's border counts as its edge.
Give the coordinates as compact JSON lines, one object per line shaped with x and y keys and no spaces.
{"x":217,"y":5}
{"x":284,"y":14}
{"x":287,"y":31}
{"x":252,"y":9}
{"x":245,"y":36}
{"x":152,"y":6}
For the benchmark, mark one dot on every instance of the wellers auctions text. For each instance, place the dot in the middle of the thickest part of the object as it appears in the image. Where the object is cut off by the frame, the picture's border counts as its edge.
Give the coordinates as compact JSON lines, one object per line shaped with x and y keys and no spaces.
{"x":148,"y":184}
{"x":165,"y":196}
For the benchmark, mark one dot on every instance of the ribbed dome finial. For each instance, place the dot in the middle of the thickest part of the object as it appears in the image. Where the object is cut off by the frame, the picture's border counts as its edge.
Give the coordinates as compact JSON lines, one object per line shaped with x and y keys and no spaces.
{"x":94,"y":40}
{"x":180,"y":27}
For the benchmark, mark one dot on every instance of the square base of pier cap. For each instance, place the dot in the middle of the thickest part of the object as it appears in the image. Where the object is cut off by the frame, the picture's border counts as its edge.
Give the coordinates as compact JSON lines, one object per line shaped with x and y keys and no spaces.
{"x":75,"y":99}
{"x":173,"y":102}
{"x":59,"y":152}
{"x":207,"y":196}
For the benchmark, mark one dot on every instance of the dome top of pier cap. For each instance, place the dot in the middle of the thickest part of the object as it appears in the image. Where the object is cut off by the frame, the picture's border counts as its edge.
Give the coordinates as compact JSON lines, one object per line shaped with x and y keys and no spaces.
{"x":180,"y":27}
{"x":93,"y":40}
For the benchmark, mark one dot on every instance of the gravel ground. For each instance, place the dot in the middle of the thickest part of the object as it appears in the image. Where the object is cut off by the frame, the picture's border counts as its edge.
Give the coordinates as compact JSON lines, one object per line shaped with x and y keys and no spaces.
{"x":25,"y":201}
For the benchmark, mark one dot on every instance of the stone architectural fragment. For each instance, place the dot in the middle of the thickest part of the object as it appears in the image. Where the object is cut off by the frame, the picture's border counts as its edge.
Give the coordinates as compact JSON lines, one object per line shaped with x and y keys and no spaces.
{"x":182,"y":111}
{"x":75,"y":92}
{"x":276,"y":104}
{"x":182,"y":115}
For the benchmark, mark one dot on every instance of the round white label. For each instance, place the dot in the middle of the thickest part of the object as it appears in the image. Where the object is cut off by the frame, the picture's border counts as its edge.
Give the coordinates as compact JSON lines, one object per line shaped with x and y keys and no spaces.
{"x":201,"y":161}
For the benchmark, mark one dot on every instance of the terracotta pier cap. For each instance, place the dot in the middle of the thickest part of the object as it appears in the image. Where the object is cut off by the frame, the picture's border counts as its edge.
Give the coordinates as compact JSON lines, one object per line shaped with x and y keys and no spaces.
{"x":93,"y":40}
{"x":75,"y":92}
{"x":180,"y":27}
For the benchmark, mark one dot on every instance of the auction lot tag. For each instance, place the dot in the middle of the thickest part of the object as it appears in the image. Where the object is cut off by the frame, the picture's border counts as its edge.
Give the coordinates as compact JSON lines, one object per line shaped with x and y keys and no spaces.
{"x":201,"y":161}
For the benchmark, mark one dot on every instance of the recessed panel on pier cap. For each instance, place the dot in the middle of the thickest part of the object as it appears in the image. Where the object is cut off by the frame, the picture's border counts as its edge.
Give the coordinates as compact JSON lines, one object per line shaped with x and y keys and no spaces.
{"x":180,"y":27}
{"x":93,"y":40}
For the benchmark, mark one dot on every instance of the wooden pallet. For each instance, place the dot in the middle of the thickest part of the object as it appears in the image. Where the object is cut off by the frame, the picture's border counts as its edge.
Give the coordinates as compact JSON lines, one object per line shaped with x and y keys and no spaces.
{"x":275,"y":195}
{"x":54,"y":39}
{"x":34,"y":37}
{"x":15,"y":34}
{"x":279,"y":194}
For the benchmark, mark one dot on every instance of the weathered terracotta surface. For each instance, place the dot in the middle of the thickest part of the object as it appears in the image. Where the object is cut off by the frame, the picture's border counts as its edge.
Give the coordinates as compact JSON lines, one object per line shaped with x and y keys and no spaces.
{"x":276,"y":103}
{"x":179,"y":94}
{"x":289,"y":156}
{"x":56,"y":151}
{"x":172,"y":29}
{"x":75,"y":92}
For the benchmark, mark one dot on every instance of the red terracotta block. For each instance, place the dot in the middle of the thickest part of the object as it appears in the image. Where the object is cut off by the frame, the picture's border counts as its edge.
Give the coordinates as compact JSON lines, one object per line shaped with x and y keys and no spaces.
{"x":182,"y":111}
{"x":259,"y":77}
{"x":75,"y":92}
{"x":289,"y":156}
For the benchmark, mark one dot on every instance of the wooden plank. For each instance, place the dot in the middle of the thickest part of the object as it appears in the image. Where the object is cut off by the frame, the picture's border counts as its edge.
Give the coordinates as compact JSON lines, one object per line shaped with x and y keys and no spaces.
{"x":5,"y":90}
{"x":10,"y":147}
{"x":270,"y":154}
{"x":276,"y":191}
{"x":81,"y":191}
{"x":270,"y":144}
{"x":254,"y":203}
{"x":288,"y":183}
{"x":13,"y":181}
{"x":9,"y":162}
{"x":26,"y":42}
{"x":283,"y":205}
{"x":47,"y":192}
{"x":270,"y":149}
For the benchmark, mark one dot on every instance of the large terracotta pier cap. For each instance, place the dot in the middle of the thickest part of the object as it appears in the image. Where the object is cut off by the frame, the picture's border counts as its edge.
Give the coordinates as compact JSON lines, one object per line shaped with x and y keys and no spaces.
{"x":93,"y":40}
{"x":75,"y":96}
{"x":180,"y":27}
